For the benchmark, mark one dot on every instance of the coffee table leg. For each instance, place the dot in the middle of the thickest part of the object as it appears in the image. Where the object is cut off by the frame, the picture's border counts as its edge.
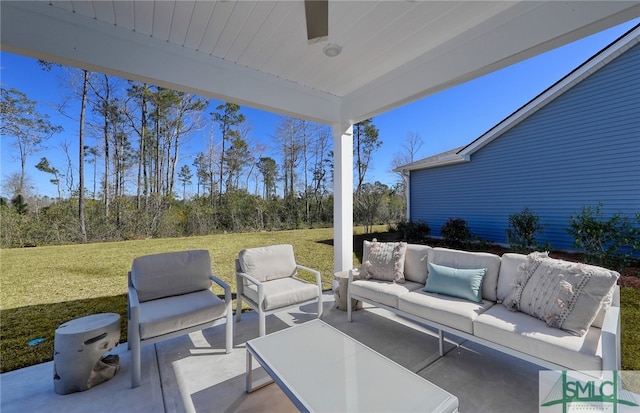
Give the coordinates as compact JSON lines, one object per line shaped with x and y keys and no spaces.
{"x":250,"y":385}
{"x":249,"y":373}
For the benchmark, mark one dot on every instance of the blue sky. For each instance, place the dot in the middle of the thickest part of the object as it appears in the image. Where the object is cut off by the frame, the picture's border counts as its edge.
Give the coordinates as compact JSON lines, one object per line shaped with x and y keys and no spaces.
{"x":444,"y":121}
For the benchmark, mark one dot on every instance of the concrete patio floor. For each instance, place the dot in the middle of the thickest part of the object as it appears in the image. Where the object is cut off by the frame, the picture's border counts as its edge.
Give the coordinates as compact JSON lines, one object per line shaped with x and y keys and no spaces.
{"x":192,"y":373}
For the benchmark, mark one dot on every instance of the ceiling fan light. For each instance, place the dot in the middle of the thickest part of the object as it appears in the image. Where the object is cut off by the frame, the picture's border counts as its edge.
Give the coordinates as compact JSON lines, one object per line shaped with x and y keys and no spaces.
{"x":332,"y":50}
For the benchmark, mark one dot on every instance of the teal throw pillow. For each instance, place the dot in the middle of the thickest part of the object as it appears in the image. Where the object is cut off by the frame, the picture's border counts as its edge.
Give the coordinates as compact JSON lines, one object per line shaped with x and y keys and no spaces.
{"x":465,"y":284}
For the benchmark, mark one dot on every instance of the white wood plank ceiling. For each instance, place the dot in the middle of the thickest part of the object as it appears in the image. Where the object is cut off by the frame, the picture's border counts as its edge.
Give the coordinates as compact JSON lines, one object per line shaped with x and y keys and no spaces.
{"x":392,"y":51}
{"x":270,"y":36}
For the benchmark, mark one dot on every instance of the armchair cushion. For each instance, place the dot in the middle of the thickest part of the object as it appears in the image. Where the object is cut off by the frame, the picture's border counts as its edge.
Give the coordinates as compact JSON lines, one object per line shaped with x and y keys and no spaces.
{"x":173,"y":273}
{"x":165,"y":315}
{"x":282,"y":292}
{"x":268,"y":263}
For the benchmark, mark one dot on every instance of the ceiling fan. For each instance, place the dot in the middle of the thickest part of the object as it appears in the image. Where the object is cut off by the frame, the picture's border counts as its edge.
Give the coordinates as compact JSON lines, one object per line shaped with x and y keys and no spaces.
{"x":317,"y":15}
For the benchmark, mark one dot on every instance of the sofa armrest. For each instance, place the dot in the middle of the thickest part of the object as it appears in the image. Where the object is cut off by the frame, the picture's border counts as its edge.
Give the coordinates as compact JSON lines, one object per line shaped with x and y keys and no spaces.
{"x":354,"y":274}
{"x":610,"y":339}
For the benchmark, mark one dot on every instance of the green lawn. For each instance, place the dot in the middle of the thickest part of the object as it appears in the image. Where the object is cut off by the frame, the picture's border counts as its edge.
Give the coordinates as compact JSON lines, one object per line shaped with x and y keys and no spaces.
{"x":44,"y":287}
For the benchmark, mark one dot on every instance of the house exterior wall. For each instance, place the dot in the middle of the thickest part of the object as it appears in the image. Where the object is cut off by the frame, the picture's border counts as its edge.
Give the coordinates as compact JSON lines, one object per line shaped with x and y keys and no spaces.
{"x":581,"y":149}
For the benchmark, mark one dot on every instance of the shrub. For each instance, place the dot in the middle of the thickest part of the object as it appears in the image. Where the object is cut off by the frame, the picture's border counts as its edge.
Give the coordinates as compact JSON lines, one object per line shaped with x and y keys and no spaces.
{"x":607,"y":242}
{"x":456,"y":233}
{"x":522,"y":230}
{"x":413,"y":231}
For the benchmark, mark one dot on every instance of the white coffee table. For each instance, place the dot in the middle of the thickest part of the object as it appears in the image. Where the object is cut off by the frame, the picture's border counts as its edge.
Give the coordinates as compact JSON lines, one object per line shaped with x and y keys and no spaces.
{"x":322,"y":369}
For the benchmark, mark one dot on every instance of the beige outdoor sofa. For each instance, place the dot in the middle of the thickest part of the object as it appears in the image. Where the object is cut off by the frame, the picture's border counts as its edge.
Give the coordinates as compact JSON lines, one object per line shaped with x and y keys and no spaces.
{"x":568,"y":296}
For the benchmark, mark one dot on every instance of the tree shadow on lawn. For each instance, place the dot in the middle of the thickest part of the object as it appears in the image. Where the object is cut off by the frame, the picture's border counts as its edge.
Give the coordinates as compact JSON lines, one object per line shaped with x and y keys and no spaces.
{"x":23,"y":324}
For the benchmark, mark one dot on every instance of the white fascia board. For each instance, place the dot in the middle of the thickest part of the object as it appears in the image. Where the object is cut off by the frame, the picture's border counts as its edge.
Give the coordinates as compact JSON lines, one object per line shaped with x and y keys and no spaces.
{"x":434,"y":162}
{"x":36,"y":29}
{"x":520,"y":32}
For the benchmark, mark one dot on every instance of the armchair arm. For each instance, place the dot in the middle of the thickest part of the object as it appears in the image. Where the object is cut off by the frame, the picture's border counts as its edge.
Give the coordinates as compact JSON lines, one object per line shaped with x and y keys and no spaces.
{"x":224,"y":285}
{"x":242,"y":275}
{"x":248,"y":278}
{"x":610,"y":339}
{"x":133,"y":319}
{"x":314,"y":272}
{"x":133,"y":301}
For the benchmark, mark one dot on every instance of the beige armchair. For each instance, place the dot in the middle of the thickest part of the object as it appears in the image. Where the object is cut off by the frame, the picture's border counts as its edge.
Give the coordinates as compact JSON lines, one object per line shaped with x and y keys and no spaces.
{"x":267,"y":280}
{"x":170,"y":295}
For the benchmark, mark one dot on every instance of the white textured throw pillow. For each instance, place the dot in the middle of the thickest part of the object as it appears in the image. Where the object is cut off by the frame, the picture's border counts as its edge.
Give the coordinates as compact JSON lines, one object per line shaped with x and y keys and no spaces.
{"x":385,"y":261}
{"x":564,"y":294}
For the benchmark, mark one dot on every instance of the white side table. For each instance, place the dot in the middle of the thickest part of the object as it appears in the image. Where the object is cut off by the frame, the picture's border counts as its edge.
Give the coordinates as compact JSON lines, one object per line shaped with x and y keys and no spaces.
{"x":80,"y":344}
{"x":340,"y":292}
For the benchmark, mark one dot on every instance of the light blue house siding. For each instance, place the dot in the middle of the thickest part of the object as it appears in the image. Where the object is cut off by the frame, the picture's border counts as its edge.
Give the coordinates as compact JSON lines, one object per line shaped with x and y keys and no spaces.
{"x":581,"y":149}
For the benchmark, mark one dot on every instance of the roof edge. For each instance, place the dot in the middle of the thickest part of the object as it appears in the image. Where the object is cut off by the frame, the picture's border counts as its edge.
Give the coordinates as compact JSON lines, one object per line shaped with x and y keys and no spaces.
{"x":446,"y":158}
{"x":590,"y":66}
{"x":583,"y":71}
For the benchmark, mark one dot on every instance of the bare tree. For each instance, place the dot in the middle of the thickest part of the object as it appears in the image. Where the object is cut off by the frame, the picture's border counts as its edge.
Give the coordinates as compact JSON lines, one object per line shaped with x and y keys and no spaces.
{"x":288,"y":138}
{"x":20,"y":119}
{"x":140,"y":94}
{"x":186,"y":118}
{"x":321,"y":166}
{"x":256,"y":154}
{"x":81,"y":201}
{"x":15,"y":182}
{"x":410,"y":148}
{"x":68,"y":175}
{"x":104,"y":106}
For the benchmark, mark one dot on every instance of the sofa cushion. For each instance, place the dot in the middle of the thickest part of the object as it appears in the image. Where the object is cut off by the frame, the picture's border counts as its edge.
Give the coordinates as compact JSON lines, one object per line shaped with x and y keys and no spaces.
{"x":268,"y":263}
{"x":171,"y":273}
{"x":566,"y":295}
{"x":531,"y":336}
{"x":465,"y":284}
{"x":283,"y":292}
{"x":383,"y":292}
{"x":471,"y":260}
{"x":385,"y":261}
{"x":509,"y":275}
{"x":449,"y":311}
{"x":607,"y":302}
{"x":165,"y":315}
{"x":415,"y":263}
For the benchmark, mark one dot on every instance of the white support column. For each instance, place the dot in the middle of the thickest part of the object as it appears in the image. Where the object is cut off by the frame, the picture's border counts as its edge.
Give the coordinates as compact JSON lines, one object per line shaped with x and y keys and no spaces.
{"x":343,"y":197}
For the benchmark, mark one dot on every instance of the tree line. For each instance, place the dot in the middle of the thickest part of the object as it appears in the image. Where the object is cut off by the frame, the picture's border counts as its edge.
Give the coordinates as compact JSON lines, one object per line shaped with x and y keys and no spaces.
{"x":125,"y":174}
